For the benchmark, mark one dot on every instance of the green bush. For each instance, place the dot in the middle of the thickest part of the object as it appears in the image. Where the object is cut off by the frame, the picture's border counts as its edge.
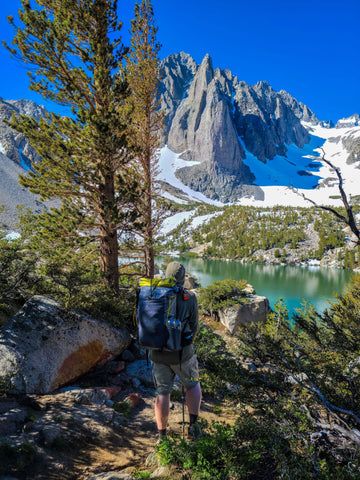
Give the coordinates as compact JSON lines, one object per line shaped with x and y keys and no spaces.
{"x":142,"y":474}
{"x":221,"y":294}
{"x":219,"y":368}
{"x":256,"y":448}
{"x":17,"y":274}
{"x":64,"y":269}
{"x":123,"y":407}
{"x":16,"y":459}
{"x":293,"y":381}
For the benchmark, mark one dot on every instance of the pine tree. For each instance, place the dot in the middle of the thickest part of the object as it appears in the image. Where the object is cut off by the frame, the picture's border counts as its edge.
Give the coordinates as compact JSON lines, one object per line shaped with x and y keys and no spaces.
{"x":73,"y":62}
{"x":143,"y":77}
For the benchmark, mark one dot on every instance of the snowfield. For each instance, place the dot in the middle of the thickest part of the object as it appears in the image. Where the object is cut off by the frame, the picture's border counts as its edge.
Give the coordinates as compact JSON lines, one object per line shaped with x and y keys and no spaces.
{"x":302,"y":170}
{"x":172,"y":222}
{"x":169,"y":162}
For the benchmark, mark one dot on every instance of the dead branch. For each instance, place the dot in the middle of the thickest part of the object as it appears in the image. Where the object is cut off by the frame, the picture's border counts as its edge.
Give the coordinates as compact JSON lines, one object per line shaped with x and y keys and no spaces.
{"x":349,"y":219}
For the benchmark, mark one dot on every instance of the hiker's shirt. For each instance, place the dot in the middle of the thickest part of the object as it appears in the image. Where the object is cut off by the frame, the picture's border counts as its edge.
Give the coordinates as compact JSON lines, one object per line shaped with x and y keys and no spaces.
{"x":186,"y":310}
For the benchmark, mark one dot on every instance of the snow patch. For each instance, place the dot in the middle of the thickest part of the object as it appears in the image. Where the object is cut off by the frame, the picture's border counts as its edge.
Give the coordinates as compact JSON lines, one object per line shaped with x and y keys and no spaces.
{"x":173,"y":198}
{"x":301,"y":169}
{"x":12,"y":236}
{"x":174,"y":221}
{"x":275,"y":183}
{"x":202,"y":219}
{"x":284,"y":171}
{"x":169,"y":162}
{"x":355,"y":133}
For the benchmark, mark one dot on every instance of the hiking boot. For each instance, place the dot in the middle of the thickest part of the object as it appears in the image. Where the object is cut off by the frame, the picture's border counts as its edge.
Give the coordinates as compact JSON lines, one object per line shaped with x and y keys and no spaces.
{"x":195,"y":431}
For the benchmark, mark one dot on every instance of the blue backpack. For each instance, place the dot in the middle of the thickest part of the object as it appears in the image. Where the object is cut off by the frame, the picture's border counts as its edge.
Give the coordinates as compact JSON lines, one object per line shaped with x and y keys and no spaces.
{"x":158,"y":325}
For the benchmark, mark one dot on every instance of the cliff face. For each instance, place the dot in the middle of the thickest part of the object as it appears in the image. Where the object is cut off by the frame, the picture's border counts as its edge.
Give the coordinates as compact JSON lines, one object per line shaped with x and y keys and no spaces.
{"x":16,"y":156}
{"x":202,"y":128}
{"x":13,"y":144}
{"x":177,"y":72}
{"x":265,"y":121}
{"x":211,"y":116}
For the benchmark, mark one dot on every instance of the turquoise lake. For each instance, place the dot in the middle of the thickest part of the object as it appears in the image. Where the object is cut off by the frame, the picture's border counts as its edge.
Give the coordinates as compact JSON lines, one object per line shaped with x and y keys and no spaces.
{"x":293,"y":284}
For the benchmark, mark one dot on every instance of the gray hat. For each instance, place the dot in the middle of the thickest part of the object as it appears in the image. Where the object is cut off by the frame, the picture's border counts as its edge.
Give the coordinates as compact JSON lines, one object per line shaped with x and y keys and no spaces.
{"x":177,"y":271}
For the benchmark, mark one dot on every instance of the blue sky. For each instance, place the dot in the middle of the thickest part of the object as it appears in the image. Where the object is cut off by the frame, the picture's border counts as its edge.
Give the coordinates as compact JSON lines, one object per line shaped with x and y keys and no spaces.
{"x":310,"y":48}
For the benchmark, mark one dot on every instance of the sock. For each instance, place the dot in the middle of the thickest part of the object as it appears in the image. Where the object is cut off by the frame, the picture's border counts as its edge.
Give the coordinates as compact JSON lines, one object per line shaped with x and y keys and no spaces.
{"x":162,"y":433}
{"x":193,"y":418}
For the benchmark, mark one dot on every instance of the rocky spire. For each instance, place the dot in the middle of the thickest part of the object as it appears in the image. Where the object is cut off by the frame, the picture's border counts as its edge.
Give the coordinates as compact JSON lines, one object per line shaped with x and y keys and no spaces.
{"x":176,"y":74}
{"x":202,"y":128}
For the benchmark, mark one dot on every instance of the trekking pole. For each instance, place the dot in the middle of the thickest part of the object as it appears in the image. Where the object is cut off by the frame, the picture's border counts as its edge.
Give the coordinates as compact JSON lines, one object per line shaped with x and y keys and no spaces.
{"x":183,"y":411}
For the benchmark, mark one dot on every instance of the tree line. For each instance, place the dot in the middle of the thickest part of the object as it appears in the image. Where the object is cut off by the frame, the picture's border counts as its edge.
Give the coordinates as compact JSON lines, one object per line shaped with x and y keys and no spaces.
{"x":254,"y":232}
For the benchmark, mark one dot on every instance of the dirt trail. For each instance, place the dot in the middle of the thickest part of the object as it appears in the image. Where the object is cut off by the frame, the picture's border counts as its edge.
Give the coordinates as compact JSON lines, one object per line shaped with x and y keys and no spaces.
{"x":133,"y":443}
{"x":73,"y":440}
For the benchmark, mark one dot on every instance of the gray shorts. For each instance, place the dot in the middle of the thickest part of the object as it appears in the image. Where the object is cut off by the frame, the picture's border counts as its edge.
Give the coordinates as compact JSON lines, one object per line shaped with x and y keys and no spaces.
{"x":164,"y":375}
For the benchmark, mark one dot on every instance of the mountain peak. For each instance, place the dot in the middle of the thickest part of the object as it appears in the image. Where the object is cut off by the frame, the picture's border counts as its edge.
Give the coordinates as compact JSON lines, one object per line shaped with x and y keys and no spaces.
{"x":206,"y":70}
{"x":179,"y":59}
{"x":353,"y":121}
{"x":207,"y":114}
{"x":263,"y":85}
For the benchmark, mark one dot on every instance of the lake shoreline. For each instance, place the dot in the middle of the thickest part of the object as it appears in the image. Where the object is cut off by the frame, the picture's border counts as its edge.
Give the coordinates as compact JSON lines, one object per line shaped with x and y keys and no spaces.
{"x":308,"y":263}
{"x":294,"y":283}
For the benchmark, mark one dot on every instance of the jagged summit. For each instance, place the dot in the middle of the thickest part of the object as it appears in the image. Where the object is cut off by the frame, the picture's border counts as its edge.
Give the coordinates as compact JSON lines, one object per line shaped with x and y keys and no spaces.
{"x":353,"y":121}
{"x":224,"y":138}
{"x":213,"y":117}
{"x":202,"y":130}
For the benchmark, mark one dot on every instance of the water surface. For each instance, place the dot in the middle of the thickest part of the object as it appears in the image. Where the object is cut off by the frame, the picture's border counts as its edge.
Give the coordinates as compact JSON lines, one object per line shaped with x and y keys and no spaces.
{"x":293,"y":284}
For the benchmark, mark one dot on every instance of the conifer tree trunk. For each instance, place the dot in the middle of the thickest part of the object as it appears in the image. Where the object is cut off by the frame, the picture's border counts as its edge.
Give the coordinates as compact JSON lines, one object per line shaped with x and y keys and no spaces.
{"x":85,"y":158}
{"x":148,"y":220}
{"x":109,"y":247}
{"x":147,"y":122}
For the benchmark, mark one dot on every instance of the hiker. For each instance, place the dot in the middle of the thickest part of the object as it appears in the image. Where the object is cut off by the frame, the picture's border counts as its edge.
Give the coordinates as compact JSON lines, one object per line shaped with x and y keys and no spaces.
{"x":167,"y":364}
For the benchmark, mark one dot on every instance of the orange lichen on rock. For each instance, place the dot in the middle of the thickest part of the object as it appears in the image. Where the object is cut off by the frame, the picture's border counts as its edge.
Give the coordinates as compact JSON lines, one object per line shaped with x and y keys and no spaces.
{"x":80,"y":362}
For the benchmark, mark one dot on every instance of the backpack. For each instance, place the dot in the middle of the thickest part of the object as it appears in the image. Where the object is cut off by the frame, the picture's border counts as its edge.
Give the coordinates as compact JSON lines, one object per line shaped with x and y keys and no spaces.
{"x":158,"y":325}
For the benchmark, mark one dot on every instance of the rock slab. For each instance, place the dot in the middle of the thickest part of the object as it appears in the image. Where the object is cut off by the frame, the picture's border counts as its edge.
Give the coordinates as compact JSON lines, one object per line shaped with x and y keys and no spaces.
{"x":255,"y":309}
{"x":44,"y":346}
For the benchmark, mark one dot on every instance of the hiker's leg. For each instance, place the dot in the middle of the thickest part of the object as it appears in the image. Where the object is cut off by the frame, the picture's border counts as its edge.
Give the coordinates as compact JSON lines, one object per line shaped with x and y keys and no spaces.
{"x":193,"y":400}
{"x":162,"y":407}
{"x":163,"y":378}
{"x":188,"y":372}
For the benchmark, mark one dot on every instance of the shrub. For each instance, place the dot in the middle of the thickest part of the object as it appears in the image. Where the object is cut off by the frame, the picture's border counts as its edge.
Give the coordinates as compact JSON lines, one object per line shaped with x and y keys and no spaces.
{"x":256,"y":448}
{"x":123,"y":407}
{"x":221,"y":294}
{"x":297,"y":406}
{"x":16,"y":459}
{"x":65,"y":270}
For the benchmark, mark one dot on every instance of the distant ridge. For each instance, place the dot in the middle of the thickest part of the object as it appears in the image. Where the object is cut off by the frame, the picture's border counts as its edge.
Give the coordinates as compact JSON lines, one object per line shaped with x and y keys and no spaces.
{"x":224,"y":139}
{"x":213,"y":118}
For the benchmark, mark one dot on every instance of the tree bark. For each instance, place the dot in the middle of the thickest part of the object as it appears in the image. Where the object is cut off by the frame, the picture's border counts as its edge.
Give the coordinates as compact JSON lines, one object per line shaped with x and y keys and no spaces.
{"x":149,"y":234}
{"x":109,"y":248}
